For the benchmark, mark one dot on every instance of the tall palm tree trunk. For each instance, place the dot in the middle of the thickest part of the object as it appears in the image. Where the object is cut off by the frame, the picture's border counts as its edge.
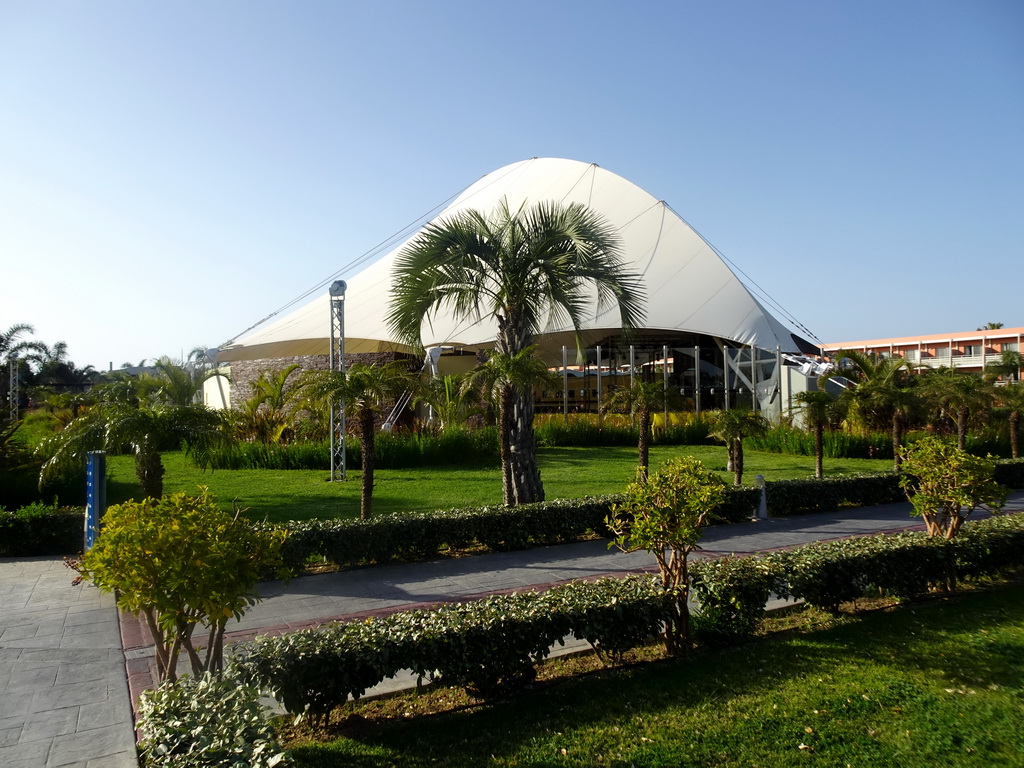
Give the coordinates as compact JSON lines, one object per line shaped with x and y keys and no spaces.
{"x":819,"y":450}
{"x":962,"y":417}
{"x":366,"y":437}
{"x":506,"y":411}
{"x":897,"y":440}
{"x":526,"y":483}
{"x":1014,"y":425}
{"x":643,"y":445}
{"x":150,"y":471}
{"x":737,"y":461}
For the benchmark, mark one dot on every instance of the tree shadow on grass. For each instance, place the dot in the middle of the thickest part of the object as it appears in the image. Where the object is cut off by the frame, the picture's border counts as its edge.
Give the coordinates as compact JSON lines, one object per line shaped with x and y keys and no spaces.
{"x":878,"y":669}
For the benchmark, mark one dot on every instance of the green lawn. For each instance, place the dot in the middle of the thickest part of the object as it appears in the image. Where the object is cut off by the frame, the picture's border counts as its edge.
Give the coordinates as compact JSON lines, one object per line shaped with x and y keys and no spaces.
{"x":931,"y":684}
{"x":567,"y":472}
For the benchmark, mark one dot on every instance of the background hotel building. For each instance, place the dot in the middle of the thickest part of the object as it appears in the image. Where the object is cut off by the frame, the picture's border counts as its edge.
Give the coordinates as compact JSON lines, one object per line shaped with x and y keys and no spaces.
{"x":972,"y":350}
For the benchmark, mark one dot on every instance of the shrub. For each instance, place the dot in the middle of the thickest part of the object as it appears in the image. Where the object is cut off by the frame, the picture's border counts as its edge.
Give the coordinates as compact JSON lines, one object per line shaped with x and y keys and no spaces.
{"x":946,"y":484}
{"x":182,"y":563}
{"x":1010,"y":472}
{"x":38,"y":529}
{"x":797,"y":497}
{"x":348,"y":543}
{"x":665,"y":516}
{"x":489,"y":646}
{"x":200,"y":722}
{"x":732,"y":592}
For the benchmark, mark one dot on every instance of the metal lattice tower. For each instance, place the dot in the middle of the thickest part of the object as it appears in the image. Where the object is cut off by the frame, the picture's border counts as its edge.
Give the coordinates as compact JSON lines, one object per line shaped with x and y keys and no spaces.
{"x":12,"y":390}
{"x":337,"y":363}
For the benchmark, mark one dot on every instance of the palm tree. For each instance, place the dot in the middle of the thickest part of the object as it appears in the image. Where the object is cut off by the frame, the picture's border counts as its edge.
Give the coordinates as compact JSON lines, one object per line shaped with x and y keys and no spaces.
{"x":731,"y":427}
{"x":529,"y":269}
{"x":365,"y":390}
{"x":642,"y":399}
{"x":511,"y":379}
{"x":451,"y":402}
{"x":818,"y":407}
{"x":268,"y":415}
{"x":1012,"y":397}
{"x":11,"y":346}
{"x":130,"y":414}
{"x":1007,"y":366}
{"x":881,"y":397}
{"x":181,"y":384}
{"x":991,"y":327}
{"x":958,"y":394}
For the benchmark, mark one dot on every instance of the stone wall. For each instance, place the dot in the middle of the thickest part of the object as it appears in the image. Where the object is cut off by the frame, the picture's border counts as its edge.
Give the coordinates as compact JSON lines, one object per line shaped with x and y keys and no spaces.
{"x":245,"y":372}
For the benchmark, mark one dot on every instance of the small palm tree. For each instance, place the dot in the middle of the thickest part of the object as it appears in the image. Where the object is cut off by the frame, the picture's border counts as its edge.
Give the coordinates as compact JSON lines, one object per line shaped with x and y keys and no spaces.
{"x":1006,"y":367}
{"x":511,"y":380}
{"x":365,"y":390}
{"x":958,"y":394}
{"x":731,"y":427}
{"x":1012,"y":398}
{"x":818,"y":407}
{"x":268,"y":415}
{"x":528,"y":269}
{"x":182,"y":385}
{"x":130,"y":415}
{"x":881,"y":397}
{"x":642,"y":399}
{"x":451,"y":402}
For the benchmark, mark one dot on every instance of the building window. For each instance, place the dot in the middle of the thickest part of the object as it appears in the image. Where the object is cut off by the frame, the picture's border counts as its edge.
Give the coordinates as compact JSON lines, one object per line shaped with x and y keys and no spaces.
{"x":972,"y":349}
{"x":911,"y":355}
{"x":1009,"y":346}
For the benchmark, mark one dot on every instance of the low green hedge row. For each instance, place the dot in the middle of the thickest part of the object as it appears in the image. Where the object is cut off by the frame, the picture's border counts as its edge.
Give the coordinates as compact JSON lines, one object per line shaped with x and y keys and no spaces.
{"x":492,"y":645}
{"x":488,"y":646}
{"x":41,"y":530}
{"x":1010,"y":472}
{"x":904,"y":565}
{"x":348,"y":543}
{"x":798,"y":497}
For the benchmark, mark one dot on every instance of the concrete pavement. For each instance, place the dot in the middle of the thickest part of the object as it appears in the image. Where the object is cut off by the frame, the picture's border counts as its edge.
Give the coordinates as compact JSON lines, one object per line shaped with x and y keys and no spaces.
{"x":63,"y":693}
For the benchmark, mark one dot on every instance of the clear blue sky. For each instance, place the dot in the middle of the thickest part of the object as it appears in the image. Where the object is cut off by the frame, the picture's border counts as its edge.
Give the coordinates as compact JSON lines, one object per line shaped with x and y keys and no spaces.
{"x":170,"y":173}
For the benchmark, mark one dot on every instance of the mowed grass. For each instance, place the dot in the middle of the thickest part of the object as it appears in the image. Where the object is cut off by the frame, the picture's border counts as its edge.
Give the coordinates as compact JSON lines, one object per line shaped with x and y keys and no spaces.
{"x":280,"y":495}
{"x":933,"y":684}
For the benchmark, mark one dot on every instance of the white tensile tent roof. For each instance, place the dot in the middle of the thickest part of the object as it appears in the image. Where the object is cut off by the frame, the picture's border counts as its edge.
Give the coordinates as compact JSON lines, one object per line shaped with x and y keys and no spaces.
{"x":690,"y":289}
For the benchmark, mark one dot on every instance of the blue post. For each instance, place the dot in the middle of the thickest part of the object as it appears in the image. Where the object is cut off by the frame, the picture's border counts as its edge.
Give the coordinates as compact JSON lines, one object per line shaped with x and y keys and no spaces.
{"x":95,"y":495}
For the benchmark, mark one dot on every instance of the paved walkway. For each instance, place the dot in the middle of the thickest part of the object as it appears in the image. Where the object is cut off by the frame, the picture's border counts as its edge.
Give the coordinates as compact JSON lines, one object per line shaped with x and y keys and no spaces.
{"x":63,"y":694}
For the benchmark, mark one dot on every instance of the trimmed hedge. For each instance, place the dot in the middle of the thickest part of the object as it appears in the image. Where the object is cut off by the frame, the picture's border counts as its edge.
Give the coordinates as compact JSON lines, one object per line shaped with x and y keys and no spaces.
{"x":1010,"y":472}
{"x":489,"y":646}
{"x":349,"y":543}
{"x":799,"y":497}
{"x":41,"y":530}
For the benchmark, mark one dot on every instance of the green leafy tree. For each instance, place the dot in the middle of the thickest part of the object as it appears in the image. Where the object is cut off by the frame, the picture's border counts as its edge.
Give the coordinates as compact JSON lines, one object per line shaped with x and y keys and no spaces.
{"x":731,"y":427}
{"x":529,"y":269}
{"x":511,"y":380}
{"x":642,"y":399}
{"x":184,"y":565}
{"x":665,"y":516}
{"x":130,"y":415}
{"x":365,"y":390}
{"x":881,"y":397}
{"x":958,"y":395}
{"x":819,"y":408}
{"x":946,"y":484}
